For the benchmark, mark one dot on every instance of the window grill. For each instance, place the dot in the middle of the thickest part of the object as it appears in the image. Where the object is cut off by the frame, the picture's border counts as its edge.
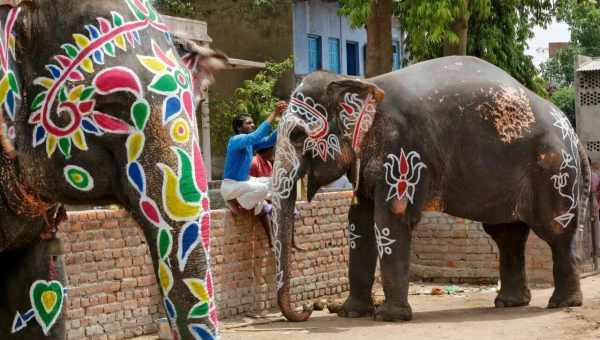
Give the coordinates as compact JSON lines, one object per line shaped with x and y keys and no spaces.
{"x":593,"y":146}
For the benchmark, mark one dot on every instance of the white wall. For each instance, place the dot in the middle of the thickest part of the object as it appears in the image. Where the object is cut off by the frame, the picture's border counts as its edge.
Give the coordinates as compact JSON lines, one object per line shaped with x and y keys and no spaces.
{"x":321,"y":18}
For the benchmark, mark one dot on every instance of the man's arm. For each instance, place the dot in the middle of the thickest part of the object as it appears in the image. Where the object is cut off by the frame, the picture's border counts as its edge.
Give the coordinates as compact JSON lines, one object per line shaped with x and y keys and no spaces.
{"x":256,"y":137}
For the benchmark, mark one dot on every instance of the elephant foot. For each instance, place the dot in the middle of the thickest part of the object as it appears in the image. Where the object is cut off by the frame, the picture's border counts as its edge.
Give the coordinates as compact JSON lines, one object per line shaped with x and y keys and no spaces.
{"x":519,"y":299}
{"x":573,"y":299}
{"x":389,"y":312}
{"x":355,"y":308}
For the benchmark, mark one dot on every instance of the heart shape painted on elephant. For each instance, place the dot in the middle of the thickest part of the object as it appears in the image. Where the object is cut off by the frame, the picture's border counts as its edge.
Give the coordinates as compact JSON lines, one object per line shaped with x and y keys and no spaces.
{"x":47,"y":301}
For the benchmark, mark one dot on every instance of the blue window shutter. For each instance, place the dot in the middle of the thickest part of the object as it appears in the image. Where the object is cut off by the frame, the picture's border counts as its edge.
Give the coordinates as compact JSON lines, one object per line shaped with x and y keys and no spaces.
{"x":334,"y":55}
{"x":396,"y":48}
{"x":314,"y":53}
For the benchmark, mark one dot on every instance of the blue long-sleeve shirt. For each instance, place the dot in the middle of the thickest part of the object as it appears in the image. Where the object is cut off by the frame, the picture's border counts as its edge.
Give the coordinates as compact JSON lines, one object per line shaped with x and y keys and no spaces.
{"x":241,"y":148}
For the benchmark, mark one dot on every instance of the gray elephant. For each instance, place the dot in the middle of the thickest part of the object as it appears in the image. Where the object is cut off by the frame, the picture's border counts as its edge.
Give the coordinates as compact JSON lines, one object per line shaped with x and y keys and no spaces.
{"x":456,"y":135}
{"x":98,"y":108}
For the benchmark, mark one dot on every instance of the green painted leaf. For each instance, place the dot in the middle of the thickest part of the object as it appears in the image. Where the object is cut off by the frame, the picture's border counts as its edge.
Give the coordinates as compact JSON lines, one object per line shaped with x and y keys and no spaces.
{"x":138,"y":13}
{"x":65,"y":146}
{"x":117,"y":19}
{"x":12,"y":80}
{"x":71,"y":50}
{"x":62,"y":95}
{"x":187,"y":187}
{"x":152,"y":15}
{"x":164,"y":84}
{"x":140,"y":112}
{"x":38,"y":100}
{"x":109,"y":48}
{"x":165,"y":243}
{"x":199,"y":311}
{"x":87,"y":93}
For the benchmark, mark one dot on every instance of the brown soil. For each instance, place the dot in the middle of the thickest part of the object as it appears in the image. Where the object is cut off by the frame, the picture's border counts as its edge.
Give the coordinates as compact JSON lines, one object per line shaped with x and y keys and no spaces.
{"x":466,"y":314}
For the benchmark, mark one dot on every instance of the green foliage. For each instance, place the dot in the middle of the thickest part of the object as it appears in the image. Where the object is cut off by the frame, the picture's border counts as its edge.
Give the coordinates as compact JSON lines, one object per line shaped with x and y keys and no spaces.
{"x":559,"y":70}
{"x":565,"y":98}
{"x":255,"y":97}
{"x":498,"y":29}
{"x":583,"y":18}
{"x":502,"y":37}
{"x":200,"y":9}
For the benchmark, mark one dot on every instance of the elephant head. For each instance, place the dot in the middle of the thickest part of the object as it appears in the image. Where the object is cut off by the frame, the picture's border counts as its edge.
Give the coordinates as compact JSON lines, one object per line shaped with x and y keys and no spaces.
{"x":320,"y":136}
{"x":98,"y":107}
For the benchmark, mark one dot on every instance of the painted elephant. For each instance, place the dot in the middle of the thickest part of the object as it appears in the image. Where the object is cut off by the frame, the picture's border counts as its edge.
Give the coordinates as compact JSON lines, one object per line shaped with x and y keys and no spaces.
{"x":456,"y":135}
{"x":98,"y":107}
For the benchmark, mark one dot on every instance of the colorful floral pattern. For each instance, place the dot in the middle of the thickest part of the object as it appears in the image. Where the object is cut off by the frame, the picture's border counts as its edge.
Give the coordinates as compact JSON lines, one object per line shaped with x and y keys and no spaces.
{"x":184,"y":191}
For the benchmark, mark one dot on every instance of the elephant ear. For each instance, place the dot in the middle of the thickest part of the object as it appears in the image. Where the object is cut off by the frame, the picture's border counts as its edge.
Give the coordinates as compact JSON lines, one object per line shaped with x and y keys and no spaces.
{"x":357,"y":102}
{"x":201,"y":61}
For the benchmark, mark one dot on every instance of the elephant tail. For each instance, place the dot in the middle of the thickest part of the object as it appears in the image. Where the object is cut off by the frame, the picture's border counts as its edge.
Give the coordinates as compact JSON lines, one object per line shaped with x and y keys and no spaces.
{"x":585,"y":197}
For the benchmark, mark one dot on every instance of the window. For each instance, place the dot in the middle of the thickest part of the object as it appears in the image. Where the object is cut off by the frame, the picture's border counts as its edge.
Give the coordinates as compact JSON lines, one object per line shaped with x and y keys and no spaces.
{"x":352,"y":58}
{"x":314,"y":53}
{"x":396,"y":55}
{"x":334,"y":55}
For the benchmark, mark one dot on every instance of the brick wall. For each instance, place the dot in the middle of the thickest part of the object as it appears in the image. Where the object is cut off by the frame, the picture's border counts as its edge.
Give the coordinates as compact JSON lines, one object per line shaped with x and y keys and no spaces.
{"x":113,"y":293}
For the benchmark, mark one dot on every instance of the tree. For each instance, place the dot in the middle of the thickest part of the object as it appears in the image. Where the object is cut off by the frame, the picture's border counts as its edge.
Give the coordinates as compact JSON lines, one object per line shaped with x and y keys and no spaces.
{"x":564,"y":98}
{"x":559,"y":71}
{"x":495,"y":30}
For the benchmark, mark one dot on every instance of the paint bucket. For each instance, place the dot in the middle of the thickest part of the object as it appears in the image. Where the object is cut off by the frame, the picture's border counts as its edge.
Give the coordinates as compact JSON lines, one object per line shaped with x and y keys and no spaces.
{"x":164,"y":330}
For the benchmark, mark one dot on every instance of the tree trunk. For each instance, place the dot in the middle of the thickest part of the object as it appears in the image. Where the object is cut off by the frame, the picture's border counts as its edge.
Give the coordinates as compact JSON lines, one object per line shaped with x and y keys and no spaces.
{"x":379,"y":38}
{"x":461,"y":28}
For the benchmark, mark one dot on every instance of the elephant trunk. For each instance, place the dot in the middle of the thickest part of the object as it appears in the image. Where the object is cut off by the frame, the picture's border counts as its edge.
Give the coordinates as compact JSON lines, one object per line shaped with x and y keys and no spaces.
{"x":286,"y":171}
{"x":283,"y":227}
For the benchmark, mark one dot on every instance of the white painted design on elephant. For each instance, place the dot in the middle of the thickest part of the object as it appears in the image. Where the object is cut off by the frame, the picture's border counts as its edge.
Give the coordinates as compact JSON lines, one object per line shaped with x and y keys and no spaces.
{"x":403,"y":174}
{"x":286,"y":167}
{"x":357,"y":117}
{"x":384,"y":242}
{"x":352,"y":236}
{"x":315,"y":118}
{"x":570,"y":162}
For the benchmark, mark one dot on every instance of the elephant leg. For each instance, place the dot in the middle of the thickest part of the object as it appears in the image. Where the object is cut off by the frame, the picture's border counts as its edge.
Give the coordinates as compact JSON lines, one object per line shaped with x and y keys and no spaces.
{"x":567,"y":289}
{"x":393,"y":237}
{"x":511,"y":239}
{"x":363,"y":260}
{"x":33,"y":297}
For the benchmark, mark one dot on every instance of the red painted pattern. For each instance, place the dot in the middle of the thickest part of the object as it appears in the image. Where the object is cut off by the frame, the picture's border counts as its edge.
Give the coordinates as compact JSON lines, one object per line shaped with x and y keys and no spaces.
{"x":117,"y":79}
{"x":150,"y":210}
{"x":321,"y":132}
{"x":199,"y":173}
{"x":71,"y":127}
{"x":8,"y":28}
{"x":85,"y":53}
{"x":110,"y":123}
{"x":356,"y":137}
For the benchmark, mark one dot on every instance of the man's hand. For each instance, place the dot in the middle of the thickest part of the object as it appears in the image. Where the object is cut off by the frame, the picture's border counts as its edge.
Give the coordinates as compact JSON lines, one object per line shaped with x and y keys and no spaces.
{"x":280,"y":107}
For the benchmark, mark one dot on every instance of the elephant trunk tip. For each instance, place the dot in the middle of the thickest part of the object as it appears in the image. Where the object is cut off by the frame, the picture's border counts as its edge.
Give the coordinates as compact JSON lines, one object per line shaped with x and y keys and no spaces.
{"x":289,"y":313}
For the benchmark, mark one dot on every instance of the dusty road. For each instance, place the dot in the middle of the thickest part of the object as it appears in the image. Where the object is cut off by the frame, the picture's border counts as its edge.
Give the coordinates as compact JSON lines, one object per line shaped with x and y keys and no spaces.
{"x":463,"y":316}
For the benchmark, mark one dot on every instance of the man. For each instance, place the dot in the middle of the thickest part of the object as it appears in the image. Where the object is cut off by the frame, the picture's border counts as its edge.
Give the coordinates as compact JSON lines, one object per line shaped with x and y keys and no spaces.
{"x":249,"y":192}
{"x":262,"y":163}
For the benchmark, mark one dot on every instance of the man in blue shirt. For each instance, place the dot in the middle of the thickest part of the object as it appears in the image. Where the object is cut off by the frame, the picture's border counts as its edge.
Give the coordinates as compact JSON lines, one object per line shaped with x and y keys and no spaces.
{"x":250,"y":192}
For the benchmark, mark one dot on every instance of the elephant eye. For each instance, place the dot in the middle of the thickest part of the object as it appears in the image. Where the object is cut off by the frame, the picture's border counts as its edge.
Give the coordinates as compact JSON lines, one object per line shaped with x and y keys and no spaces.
{"x":113,"y":104}
{"x":298,"y":136}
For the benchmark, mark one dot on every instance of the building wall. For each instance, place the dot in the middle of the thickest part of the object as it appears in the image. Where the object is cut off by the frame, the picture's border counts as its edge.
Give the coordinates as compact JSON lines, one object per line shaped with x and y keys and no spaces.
{"x":320,"y":18}
{"x":113,"y":292}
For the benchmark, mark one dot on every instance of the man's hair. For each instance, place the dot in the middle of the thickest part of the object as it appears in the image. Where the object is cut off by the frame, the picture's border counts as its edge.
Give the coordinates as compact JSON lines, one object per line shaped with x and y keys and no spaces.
{"x":238,"y":121}
{"x":264,"y":150}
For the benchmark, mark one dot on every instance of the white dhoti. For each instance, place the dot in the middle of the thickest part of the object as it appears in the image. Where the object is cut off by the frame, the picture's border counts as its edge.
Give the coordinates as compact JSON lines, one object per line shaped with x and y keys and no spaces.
{"x":250,"y":194}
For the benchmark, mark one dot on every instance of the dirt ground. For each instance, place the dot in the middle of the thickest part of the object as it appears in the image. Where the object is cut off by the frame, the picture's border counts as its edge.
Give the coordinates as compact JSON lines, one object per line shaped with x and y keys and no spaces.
{"x":465,"y":314}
